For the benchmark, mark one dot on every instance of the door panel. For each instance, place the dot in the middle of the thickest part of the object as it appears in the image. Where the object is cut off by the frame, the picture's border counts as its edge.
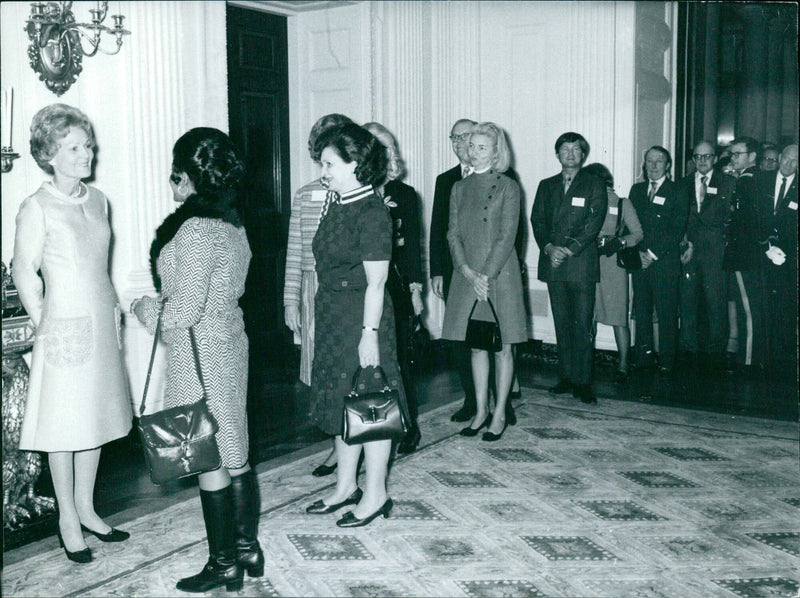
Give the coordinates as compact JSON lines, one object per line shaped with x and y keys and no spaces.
{"x":259,"y":123}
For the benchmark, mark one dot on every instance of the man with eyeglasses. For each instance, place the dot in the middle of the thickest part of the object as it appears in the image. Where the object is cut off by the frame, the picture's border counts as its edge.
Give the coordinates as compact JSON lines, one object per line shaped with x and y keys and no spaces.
{"x":746,"y":338}
{"x":777,"y":233}
{"x":708,"y":194}
{"x":768,"y":162}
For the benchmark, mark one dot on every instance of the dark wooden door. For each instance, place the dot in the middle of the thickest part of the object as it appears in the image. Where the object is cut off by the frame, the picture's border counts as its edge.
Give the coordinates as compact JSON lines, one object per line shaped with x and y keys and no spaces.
{"x":258,"y":95}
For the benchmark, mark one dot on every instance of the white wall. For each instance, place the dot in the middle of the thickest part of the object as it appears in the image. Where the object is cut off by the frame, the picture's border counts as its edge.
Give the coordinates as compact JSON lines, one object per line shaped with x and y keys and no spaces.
{"x":170,"y":75}
{"x":535,"y":68}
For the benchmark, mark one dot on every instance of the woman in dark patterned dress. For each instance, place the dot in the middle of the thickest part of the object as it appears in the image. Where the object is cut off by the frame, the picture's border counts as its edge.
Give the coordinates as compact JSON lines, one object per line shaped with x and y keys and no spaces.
{"x":354,"y":316}
{"x":201,"y":254}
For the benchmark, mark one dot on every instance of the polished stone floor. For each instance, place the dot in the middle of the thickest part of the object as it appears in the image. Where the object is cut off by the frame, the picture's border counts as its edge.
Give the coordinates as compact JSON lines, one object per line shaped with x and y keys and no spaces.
{"x":618,"y":499}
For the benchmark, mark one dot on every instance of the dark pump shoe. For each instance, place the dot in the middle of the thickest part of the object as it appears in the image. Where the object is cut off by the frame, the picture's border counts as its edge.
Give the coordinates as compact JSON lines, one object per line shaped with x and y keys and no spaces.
{"x":350,"y":520}
{"x":410,"y":442}
{"x":79,"y":556}
{"x":584,"y":393}
{"x":322,"y":470}
{"x":563,"y":387}
{"x":115,"y":535}
{"x":462,"y":415}
{"x":511,"y":416}
{"x":320,"y":508}
{"x":470,"y":432}
{"x":492,"y":437}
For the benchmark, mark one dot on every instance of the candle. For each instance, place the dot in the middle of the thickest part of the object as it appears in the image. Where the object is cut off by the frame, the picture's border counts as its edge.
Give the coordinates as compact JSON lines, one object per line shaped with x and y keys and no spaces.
{"x":3,"y":110}
{"x":10,"y":110}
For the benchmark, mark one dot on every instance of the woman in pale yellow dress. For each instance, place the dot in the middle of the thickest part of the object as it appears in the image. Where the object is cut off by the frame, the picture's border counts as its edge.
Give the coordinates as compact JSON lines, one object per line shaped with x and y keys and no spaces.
{"x":78,"y":396}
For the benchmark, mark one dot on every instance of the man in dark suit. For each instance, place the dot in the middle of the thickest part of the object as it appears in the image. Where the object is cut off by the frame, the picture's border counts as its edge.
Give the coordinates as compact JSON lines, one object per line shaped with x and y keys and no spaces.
{"x":662,"y":212}
{"x":568,"y":212}
{"x":777,"y":233}
{"x":747,"y":338}
{"x":708,"y":194}
{"x":441,"y":264}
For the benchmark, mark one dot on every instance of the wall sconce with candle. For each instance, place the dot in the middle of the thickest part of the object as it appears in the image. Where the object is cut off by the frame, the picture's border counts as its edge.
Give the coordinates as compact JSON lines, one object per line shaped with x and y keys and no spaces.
{"x":57,"y":41}
{"x":6,"y":110}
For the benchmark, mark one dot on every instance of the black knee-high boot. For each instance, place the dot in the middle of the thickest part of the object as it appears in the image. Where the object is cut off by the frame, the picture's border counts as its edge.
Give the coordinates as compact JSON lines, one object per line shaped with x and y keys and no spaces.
{"x":222,"y":567}
{"x":247,"y":507}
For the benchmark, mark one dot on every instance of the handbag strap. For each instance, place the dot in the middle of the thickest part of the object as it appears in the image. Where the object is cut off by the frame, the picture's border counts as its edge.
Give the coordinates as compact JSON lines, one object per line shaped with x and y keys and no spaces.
{"x":494,"y":313}
{"x":195,"y":353}
{"x":357,"y":376}
{"x":620,"y":222}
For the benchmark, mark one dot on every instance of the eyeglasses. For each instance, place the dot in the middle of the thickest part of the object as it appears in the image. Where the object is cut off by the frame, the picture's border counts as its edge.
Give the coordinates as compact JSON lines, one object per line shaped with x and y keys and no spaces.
{"x":703,"y":156}
{"x":769,"y":159}
{"x":462,"y":137}
{"x":740,"y":153}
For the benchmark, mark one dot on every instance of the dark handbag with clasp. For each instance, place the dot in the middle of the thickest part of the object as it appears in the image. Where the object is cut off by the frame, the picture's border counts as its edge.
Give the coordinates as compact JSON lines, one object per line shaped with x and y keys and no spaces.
{"x":627,"y":258}
{"x":484,"y":335}
{"x":178,"y":442}
{"x":373,"y":415}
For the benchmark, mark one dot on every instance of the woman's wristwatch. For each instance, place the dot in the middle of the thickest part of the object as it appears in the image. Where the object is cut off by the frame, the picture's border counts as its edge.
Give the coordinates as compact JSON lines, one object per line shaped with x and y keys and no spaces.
{"x":624,"y":243}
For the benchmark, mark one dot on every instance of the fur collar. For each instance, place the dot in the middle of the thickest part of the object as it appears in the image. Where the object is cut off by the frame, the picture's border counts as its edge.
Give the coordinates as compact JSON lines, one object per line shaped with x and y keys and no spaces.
{"x":195,"y":206}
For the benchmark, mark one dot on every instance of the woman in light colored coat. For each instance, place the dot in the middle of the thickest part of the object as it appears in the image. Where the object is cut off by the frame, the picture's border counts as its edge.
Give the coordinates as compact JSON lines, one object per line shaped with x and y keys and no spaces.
{"x":612,"y":294}
{"x":484,"y":216}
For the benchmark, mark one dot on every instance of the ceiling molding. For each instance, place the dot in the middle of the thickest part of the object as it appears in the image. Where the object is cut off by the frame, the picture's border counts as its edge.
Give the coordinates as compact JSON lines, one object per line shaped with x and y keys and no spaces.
{"x":291,"y":7}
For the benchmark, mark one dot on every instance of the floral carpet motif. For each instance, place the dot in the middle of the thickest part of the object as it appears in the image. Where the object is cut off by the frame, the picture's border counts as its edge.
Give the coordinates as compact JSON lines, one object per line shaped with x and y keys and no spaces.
{"x":613,"y":500}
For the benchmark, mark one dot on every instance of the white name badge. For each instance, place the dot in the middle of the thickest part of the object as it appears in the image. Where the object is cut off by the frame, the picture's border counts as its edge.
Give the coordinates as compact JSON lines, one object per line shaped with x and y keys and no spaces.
{"x":318,"y":195}
{"x":792,"y":205}
{"x":711,"y":190}
{"x":613,"y":210}
{"x":659,"y":201}
{"x":578,"y":202}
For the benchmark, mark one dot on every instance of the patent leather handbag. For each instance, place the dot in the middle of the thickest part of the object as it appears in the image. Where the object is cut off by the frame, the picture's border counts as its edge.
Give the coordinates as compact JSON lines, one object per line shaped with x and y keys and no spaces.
{"x":484,"y":335}
{"x":178,"y":442}
{"x":373,"y":415}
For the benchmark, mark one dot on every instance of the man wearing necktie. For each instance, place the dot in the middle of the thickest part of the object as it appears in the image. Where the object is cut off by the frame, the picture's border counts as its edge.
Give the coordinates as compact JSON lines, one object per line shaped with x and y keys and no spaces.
{"x":441,"y":263}
{"x":777,"y":232}
{"x":708,"y":194}
{"x":662,"y":213}
{"x":568,"y":212}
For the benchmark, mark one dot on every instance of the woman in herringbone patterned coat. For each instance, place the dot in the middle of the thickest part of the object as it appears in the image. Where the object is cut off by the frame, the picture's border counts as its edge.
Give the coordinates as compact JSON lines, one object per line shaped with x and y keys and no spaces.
{"x":201,"y":255}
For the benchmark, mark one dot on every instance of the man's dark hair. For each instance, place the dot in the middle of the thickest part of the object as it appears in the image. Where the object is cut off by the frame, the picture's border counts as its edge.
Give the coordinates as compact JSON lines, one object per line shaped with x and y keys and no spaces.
{"x":751,"y":144}
{"x":571,"y":137}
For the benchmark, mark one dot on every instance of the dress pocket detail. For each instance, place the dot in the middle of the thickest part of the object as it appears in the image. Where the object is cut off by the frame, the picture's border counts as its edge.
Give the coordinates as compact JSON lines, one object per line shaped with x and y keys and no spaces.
{"x":68,"y":342}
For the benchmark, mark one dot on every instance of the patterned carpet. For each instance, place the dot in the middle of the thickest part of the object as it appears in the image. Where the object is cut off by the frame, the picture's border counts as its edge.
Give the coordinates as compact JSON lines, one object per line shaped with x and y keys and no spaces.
{"x":614,"y":500}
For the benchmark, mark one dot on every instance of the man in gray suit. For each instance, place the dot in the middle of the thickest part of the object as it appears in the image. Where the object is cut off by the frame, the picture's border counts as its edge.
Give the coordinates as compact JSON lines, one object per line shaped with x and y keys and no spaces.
{"x":567,"y":214}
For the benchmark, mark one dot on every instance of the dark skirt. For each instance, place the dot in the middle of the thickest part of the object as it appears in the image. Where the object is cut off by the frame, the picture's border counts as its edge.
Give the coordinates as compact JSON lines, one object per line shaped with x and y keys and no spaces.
{"x":338,"y":320}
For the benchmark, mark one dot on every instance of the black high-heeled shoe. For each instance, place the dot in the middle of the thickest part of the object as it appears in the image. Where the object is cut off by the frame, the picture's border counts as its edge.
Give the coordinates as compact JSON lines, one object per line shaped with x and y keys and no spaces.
{"x":80,"y":556}
{"x":350,"y":520}
{"x":322,"y":470}
{"x":320,"y":508}
{"x":115,"y":535}
{"x":470,"y":432}
{"x":492,"y":437}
